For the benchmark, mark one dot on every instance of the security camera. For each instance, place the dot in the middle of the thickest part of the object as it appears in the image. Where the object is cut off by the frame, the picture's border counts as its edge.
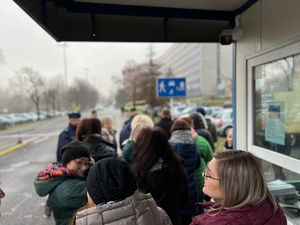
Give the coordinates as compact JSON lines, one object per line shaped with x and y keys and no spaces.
{"x":225,"y":37}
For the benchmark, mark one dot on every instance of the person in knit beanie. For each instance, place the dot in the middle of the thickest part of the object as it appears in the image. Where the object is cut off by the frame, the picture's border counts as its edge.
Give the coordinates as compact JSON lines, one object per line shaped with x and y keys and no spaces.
{"x":66,"y":183}
{"x":110,"y":180}
{"x":113,"y":198}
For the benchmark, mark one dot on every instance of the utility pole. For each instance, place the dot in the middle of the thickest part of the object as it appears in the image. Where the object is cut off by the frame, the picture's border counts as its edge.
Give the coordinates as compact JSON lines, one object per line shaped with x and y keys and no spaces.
{"x":87,"y":74}
{"x":66,"y":75}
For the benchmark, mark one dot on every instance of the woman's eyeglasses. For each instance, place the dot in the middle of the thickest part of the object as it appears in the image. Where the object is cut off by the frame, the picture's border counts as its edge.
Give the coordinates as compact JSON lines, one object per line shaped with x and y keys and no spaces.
{"x":82,"y":164}
{"x":207,"y":176}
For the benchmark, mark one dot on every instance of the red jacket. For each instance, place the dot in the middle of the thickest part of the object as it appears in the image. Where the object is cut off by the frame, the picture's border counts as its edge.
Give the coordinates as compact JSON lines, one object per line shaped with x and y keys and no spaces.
{"x":245,"y":215}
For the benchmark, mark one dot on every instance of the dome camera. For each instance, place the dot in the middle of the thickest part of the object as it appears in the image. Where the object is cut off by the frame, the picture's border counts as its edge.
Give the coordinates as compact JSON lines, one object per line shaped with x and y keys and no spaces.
{"x":225,"y":37}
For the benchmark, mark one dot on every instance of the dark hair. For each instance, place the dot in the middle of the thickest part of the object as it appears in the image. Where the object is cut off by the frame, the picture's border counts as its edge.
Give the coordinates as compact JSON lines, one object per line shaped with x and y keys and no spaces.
{"x":188,"y":120}
{"x":179,"y":125}
{"x":86,"y":128}
{"x":151,"y":145}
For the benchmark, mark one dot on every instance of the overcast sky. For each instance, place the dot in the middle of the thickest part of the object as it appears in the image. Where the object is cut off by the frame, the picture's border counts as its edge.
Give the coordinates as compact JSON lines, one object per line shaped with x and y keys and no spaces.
{"x":25,"y":44}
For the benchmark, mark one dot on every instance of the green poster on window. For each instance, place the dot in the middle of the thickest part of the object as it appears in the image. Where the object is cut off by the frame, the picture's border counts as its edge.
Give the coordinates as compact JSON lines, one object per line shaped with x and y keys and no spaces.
{"x":274,"y":125}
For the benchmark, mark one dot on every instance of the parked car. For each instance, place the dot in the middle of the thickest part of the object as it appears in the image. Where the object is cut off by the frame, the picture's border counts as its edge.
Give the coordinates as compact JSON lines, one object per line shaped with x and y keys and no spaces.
{"x":209,"y":111}
{"x":4,"y":122}
{"x":223,"y":121}
{"x":184,"y":113}
{"x":13,"y":118}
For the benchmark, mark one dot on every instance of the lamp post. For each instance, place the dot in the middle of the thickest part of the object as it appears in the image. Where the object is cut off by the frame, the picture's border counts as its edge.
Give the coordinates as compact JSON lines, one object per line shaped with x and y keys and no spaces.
{"x":66,"y":75}
{"x":87,"y":74}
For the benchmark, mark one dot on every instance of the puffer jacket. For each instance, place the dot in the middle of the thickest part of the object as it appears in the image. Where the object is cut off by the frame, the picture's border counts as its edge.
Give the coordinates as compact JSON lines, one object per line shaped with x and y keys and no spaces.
{"x":246,"y":215}
{"x":206,"y":156}
{"x":66,"y":195}
{"x":101,"y":148}
{"x":127,"y":151}
{"x":191,"y":155}
{"x":138,"y":209}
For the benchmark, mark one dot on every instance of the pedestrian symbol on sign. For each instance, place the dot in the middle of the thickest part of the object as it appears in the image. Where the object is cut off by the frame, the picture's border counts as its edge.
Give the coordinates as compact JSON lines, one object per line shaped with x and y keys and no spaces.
{"x":162,"y":87}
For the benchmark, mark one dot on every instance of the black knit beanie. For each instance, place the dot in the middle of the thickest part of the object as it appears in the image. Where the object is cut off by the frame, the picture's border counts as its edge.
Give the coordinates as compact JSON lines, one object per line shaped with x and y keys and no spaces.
{"x":110,"y":179}
{"x":74,"y":150}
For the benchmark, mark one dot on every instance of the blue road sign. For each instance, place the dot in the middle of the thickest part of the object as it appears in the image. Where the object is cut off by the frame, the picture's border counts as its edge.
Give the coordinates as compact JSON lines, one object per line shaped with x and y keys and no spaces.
{"x":170,"y":87}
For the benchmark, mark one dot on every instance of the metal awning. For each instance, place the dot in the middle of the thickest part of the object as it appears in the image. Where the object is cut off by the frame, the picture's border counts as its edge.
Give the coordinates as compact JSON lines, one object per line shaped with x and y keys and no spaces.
{"x":135,"y":20}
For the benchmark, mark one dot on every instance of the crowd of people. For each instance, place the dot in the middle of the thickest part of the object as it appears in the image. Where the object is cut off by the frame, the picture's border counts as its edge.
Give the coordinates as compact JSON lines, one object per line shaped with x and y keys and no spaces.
{"x":165,"y":173}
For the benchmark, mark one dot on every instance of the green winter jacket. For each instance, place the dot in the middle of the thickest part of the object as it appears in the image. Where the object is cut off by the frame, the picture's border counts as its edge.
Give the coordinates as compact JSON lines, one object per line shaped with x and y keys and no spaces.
{"x":206,"y":156}
{"x":66,"y":196}
{"x":127,"y":152}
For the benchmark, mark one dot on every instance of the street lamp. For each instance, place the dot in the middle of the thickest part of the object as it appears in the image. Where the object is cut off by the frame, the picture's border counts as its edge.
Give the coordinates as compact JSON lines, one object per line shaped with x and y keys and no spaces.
{"x":66,"y":75}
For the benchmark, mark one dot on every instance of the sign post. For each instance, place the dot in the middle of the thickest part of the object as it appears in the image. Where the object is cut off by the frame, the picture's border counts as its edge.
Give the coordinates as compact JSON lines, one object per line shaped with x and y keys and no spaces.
{"x":170,"y":88}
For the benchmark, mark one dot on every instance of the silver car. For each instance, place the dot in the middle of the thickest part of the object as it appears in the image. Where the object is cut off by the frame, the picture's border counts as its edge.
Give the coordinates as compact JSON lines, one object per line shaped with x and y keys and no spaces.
{"x":223,"y":121}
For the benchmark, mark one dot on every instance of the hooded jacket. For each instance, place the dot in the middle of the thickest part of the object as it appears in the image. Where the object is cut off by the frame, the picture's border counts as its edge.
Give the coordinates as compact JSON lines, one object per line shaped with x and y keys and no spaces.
{"x":138,"y":209}
{"x":67,"y":193}
{"x":101,"y":148}
{"x":246,"y":215}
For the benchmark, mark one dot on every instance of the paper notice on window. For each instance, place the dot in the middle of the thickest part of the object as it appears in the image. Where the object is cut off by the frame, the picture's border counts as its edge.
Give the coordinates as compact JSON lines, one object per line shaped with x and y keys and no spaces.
{"x":274,"y":126}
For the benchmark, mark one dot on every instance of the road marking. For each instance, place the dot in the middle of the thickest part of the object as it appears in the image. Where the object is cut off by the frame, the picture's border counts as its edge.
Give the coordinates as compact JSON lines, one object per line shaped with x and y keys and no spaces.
{"x":7,"y":145}
{"x":40,"y":140}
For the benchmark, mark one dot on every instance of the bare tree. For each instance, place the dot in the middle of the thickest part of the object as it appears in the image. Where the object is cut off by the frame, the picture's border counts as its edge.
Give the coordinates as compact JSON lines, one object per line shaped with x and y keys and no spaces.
{"x":83,"y":94}
{"x":53,"y":93}
{"x":32,"y":83}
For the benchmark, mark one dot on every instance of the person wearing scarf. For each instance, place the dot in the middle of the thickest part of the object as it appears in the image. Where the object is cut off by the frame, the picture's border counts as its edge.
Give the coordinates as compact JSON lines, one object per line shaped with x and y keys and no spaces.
{"x":183,"y":144}
{"x":65,"y":183}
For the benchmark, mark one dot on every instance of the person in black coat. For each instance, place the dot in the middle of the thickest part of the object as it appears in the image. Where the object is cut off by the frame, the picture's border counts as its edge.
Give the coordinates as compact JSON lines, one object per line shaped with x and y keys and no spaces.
{"x":159,"y":171}
{"x":165,"y":122}
{"x":88,"y":132}
{"x":200,"y":129}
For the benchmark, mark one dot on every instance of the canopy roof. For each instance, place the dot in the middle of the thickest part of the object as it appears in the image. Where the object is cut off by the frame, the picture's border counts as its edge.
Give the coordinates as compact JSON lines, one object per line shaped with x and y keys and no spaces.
{"x":135,"y":20}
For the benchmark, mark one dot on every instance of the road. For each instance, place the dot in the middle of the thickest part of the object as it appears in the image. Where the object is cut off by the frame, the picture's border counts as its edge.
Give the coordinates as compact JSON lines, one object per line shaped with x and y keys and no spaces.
{"x":18,"y":169}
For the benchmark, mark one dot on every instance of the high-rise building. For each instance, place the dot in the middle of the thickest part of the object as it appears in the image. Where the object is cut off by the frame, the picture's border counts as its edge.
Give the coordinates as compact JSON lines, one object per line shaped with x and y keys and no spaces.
{"x":204,"y":65}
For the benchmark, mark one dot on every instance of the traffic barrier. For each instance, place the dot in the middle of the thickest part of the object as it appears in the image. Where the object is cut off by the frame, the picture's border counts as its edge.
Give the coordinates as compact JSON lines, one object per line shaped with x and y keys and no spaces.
{"x":28,"y":135}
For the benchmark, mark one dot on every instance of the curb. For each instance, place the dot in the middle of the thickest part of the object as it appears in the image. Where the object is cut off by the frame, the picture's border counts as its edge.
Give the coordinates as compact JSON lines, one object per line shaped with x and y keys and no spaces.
{"x":13,"y":148}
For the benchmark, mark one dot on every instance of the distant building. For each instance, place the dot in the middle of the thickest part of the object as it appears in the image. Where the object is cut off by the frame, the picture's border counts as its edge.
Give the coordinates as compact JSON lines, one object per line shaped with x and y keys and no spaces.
{"x":206,"y":67}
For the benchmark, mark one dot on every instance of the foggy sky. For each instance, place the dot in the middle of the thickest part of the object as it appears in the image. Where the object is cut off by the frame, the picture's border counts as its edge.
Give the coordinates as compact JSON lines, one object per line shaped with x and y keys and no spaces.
{"x":25,"y":44}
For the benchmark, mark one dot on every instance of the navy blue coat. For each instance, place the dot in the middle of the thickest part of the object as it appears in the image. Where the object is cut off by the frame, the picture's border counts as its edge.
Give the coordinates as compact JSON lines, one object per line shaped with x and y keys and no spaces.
{"x":125,"y":132}
{"x":65,"y":138}
{"x":191,"y":155}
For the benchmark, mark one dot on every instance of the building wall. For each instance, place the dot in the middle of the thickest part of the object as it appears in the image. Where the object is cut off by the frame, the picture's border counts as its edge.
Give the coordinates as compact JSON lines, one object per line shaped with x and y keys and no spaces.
{"x":267,"y":24}
{"x":199,"y":64}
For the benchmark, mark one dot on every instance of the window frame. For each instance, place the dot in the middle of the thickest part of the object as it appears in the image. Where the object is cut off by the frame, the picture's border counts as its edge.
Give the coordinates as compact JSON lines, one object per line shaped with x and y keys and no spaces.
{"x":282,"y":51}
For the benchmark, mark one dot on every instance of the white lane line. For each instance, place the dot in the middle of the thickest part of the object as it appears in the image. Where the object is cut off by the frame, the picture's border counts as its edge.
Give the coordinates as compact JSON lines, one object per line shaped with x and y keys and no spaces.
{"x":31,"y":139}
{"x":40,"y":140}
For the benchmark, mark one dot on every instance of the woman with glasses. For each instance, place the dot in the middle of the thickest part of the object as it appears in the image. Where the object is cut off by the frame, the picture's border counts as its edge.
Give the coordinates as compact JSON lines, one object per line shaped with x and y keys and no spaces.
{"x":235,"y":181}
{"x":66,"y":183}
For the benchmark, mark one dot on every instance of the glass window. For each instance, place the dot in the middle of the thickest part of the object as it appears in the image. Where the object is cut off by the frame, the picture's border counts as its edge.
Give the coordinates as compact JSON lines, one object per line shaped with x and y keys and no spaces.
{"x":277,"y":106}
{"x":284,"y":186}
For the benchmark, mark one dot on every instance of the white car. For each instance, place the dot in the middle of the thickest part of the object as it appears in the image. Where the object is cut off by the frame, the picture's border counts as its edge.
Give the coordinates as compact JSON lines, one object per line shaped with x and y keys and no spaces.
{"x":223,"y":121}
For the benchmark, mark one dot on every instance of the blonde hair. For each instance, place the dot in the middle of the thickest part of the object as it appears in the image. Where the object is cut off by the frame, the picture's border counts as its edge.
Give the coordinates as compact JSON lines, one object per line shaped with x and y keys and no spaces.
{"x":142,"y":119}
{"x":105,"y":119}
{"x":106,"y":135}
{"x":242,"y":179}
{"x":137,"y":130}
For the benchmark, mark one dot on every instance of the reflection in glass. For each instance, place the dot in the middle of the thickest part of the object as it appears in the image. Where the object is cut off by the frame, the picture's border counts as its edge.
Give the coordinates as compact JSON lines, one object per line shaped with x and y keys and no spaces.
{"x":277,"y":106}
{"x":285,"y":191}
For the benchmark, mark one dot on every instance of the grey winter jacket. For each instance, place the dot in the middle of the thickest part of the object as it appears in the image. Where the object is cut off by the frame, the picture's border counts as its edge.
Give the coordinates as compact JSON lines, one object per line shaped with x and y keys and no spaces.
{"x":138,"y":209}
